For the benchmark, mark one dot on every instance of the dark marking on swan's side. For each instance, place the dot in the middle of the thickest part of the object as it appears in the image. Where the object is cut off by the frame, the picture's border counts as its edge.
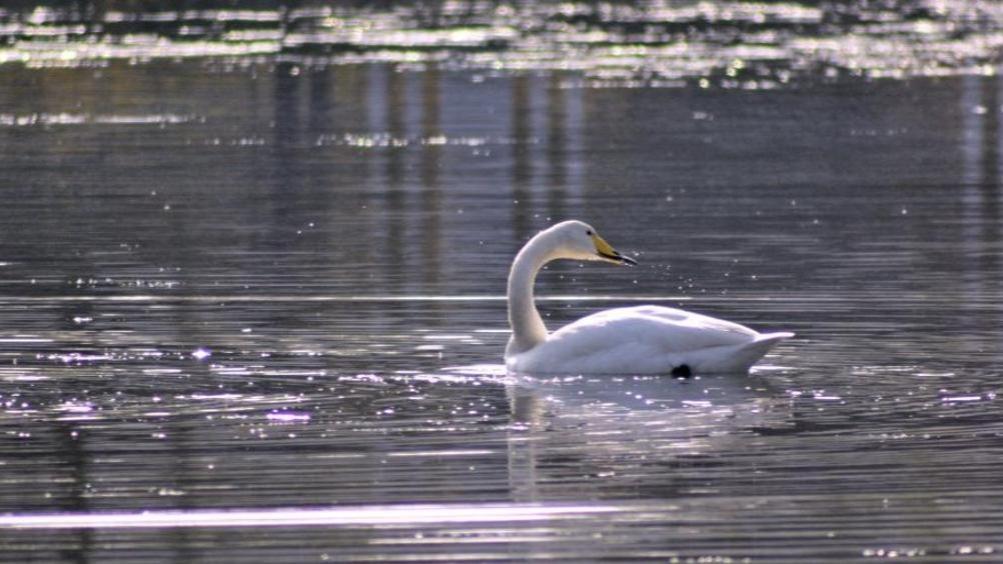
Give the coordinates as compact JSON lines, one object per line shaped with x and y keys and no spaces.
{"x":682,"y":371}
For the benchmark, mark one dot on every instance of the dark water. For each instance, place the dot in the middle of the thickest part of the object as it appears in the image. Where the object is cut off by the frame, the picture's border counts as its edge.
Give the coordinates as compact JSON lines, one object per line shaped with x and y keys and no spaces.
{"x":255,"y":312}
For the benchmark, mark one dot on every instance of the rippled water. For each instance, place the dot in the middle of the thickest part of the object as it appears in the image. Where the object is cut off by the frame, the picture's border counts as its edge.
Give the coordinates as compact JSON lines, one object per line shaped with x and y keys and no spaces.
{"x":734,"y":44}
{"x":255,"y":312}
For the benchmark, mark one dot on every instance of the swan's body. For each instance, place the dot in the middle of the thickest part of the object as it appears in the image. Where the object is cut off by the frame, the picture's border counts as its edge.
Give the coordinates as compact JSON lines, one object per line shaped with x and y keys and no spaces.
{"x":631,"y":340}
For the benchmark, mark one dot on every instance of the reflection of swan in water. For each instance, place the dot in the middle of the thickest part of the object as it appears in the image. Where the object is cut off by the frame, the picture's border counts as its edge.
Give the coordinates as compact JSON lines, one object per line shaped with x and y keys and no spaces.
{"x":626,"y":429}
{"x":630,"y":340}
{"x":645,"y":393}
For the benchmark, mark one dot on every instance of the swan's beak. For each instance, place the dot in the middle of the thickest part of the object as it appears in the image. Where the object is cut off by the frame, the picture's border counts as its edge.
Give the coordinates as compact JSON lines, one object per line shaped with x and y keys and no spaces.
{"x":607,"y":252}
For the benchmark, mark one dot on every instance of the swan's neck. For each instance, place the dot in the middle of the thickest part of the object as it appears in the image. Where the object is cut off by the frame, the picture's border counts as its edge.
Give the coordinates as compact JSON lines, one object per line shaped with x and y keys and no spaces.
{"x":528,"y":329}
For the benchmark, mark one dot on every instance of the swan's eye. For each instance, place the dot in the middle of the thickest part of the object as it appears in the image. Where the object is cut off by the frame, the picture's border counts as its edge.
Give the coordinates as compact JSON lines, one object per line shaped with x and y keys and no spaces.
{"x":589,"y":233}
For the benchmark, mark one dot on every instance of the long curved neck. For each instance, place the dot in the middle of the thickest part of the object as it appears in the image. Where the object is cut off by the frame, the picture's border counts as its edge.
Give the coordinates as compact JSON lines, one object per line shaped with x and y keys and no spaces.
{"x":528,"y":329}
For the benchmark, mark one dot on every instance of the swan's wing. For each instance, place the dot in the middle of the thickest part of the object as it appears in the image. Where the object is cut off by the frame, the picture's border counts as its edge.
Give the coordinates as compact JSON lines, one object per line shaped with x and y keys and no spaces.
{"x":667,"y":330}
{"x":646,"y":340}
{"x":697,"y":321}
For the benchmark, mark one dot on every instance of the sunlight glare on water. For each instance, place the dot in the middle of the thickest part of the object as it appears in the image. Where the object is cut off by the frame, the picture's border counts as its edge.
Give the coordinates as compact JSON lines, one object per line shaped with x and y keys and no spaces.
{"x":650,"y":42}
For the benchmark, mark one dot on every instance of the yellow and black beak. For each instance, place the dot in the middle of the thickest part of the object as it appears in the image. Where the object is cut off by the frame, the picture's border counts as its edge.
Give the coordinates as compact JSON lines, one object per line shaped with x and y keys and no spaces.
{"x":607,"y":252}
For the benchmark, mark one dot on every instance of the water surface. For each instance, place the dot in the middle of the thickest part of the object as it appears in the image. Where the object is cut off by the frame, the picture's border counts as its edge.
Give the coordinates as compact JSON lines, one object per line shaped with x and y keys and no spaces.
{"x":731,"y":43}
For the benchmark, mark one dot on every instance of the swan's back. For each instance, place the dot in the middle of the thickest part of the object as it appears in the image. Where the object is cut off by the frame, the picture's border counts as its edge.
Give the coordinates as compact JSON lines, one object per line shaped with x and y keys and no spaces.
{"x":646,"y":340}
{"x":666,"y":328}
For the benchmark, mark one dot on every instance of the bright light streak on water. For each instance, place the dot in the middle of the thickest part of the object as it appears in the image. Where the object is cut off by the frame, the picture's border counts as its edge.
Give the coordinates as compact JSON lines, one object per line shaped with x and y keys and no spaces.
{"x":351,"y":516}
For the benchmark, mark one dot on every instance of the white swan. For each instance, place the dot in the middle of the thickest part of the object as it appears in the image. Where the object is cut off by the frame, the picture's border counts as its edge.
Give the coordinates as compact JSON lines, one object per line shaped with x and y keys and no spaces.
{"x":632,"y":340}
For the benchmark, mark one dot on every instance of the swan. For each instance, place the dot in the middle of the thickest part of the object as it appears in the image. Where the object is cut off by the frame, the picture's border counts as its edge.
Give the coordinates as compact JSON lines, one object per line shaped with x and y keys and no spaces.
{"x":645,"y":339}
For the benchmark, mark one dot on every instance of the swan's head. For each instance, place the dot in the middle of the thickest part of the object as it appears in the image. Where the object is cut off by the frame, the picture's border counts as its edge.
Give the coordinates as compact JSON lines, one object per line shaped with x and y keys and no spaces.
{"x":579,"y":241}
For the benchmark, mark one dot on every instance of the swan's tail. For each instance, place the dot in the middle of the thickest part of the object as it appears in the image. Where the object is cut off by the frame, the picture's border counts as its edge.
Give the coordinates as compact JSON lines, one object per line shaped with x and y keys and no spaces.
{"x":762,"y":344}
{"x":743,"y":356}
{"x":773,"y":338}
